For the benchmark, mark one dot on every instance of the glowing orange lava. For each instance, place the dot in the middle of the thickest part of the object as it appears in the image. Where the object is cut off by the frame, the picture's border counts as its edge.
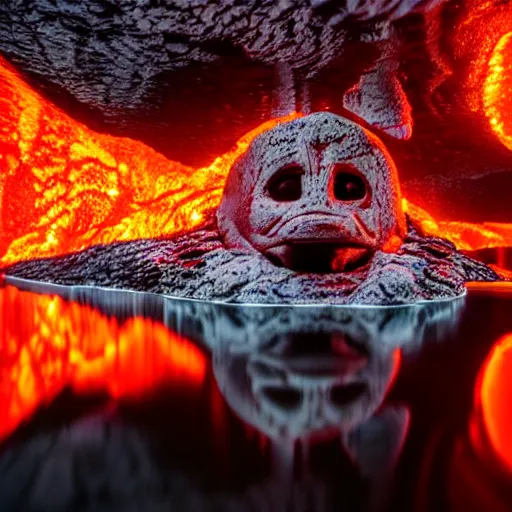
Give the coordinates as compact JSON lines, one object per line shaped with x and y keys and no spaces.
{"x":64,"y":187}
{"x":483,"y":41}
{"x":497,"y":90}
{"x":466,"y":236}
{"x":47,"y":344}
{"x":482,"y":25}
{"x":494,"y":399}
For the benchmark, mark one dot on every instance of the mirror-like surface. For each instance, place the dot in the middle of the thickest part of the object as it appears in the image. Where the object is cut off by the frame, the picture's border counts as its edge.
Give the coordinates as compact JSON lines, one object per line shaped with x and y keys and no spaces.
{"x":129,"y":401}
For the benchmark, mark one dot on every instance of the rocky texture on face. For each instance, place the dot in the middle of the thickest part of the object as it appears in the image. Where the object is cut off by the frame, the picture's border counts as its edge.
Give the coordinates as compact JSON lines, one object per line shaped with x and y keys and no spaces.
{"x":316,"y":192}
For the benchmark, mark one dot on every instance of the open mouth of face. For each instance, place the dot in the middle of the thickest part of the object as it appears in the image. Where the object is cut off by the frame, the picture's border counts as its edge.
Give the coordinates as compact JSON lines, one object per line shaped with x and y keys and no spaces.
{"x":320,"y":256}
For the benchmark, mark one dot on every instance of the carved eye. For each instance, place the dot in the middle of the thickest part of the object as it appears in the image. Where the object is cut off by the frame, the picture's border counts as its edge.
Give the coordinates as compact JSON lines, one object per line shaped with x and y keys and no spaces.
{"x":286,"y":184}
{"x":349,"y":185}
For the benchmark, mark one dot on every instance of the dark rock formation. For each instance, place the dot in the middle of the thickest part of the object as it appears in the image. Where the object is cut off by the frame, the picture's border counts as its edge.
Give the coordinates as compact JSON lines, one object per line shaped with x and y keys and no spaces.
{"x":107,"y":54}
{"x":135,"y":69}
{"x":198,"y":266}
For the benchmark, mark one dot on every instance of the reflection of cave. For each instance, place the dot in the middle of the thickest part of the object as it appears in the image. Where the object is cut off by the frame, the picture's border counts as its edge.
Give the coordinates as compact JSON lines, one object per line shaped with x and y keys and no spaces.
{"x":169,"y":439}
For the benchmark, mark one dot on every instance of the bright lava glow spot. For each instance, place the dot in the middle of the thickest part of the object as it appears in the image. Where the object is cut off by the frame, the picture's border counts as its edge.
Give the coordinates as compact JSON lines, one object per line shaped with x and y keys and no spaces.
{"x":497,"y":90}
{"x":494,"y":396}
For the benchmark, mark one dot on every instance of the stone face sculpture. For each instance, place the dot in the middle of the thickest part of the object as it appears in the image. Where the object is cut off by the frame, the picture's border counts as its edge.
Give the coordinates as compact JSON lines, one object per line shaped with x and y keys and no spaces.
{"x":311,"y":214}
{"x":319,"y":192}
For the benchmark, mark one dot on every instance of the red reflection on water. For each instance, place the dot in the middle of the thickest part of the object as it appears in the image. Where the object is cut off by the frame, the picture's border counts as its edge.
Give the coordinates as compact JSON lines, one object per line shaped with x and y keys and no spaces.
{"x":494,"y":400}
{"x":47,"y":343}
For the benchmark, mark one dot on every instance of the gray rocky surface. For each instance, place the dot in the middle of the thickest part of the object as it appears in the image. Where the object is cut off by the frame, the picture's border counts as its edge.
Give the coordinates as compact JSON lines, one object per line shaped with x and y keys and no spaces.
{"x":108,"y":53}
{"x":197,"y":265}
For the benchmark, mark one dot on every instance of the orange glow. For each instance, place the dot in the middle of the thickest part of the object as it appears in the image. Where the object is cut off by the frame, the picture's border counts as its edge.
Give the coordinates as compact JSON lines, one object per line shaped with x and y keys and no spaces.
{"x":484,"y":23}
{"x":47,"y":344}
{"x":64,"y":188}
{"x":466,"y":236}
{"x":483,"y":40}
{"x":497,"y":90}
{"x":494,"y":399}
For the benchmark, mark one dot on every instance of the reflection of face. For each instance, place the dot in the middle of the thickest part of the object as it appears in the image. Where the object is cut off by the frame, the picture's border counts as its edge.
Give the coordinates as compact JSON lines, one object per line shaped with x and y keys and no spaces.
{"x":319,"y":187}
{"x":303,"y":385}
{"x":329,"y":391}
{"x":302,"y":371}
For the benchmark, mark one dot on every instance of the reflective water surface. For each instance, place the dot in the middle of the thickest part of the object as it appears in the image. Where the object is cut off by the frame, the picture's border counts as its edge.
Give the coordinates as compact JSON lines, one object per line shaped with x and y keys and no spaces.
{"x":125,"y":401}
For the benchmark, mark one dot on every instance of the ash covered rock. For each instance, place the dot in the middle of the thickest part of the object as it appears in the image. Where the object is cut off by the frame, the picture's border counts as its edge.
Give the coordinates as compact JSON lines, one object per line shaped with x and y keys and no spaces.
{"x":380,"y":99}
{"x":198,"y":266}
{"x":311,"y":214}
{"x":136,"y":68}
{"x":108,"y":54}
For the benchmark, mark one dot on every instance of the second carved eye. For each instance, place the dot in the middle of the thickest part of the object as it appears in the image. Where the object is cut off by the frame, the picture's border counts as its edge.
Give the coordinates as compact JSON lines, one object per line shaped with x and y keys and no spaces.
{"x":286,"y":184}
{"x":348,"y":184}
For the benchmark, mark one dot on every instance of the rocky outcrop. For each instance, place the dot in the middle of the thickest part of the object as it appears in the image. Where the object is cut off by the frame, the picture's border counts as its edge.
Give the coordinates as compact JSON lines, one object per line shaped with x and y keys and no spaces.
{"x":197,"y":265}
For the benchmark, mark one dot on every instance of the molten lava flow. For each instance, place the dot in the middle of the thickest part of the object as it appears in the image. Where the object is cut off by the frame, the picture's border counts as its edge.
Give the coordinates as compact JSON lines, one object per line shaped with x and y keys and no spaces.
{"x":494,"y":398}
{"x":466,"y":236}
{"x":64,"y":187}
{"x":47,"y":344}
{"x":497,"y":90}
{"x":483,"y":40}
